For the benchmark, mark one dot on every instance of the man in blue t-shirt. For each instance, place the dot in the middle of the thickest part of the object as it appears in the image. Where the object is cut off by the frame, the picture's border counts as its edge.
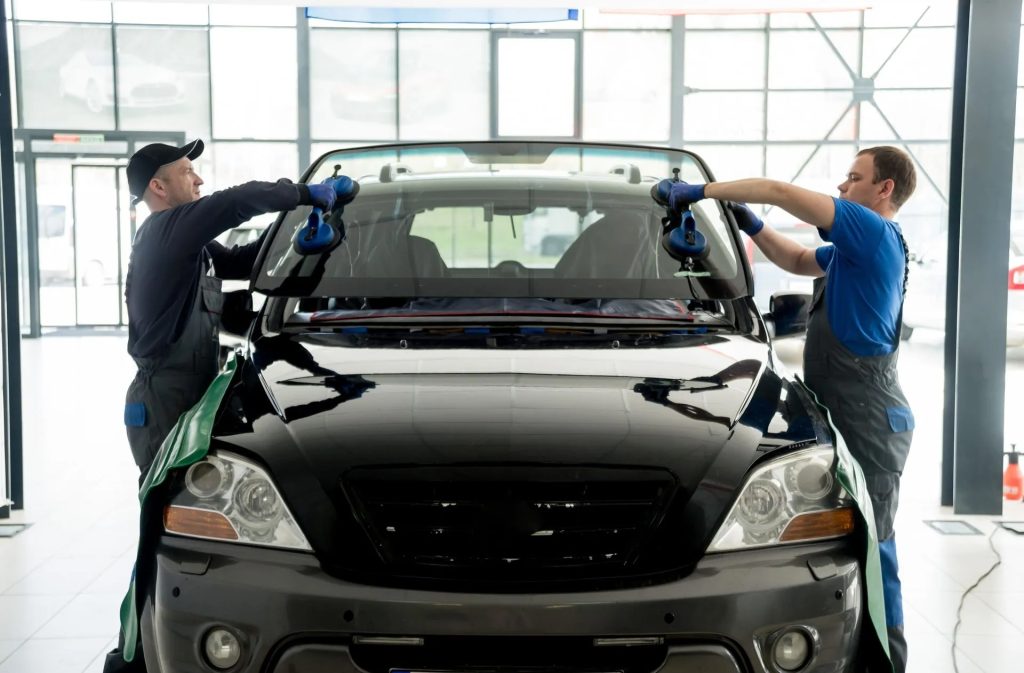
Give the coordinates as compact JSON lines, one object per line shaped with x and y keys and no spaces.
{"x":855,"y":320}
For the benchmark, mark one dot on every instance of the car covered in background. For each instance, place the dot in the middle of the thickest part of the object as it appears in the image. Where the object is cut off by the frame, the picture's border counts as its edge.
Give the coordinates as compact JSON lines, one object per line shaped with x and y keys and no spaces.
{"x":449,"y":447}
{"x":88,"y":75}
{"x":925,"y":304}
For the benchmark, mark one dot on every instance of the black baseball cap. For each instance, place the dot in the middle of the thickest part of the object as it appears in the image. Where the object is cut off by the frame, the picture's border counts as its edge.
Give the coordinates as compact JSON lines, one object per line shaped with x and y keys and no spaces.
{"x":147,"y":161}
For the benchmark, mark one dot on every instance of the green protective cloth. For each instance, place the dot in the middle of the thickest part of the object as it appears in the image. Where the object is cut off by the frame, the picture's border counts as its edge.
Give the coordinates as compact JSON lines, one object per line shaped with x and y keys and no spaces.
{"x":851,"y":477}
{"x":187,"y":443}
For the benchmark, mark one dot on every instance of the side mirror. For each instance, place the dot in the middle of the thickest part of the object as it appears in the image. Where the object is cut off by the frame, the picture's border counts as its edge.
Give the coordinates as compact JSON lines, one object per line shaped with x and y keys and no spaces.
{"x":787,"y":313}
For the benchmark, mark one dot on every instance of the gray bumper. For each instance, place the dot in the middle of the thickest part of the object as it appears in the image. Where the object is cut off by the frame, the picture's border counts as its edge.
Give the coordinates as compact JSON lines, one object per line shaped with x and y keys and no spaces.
{"x":291,"y":616}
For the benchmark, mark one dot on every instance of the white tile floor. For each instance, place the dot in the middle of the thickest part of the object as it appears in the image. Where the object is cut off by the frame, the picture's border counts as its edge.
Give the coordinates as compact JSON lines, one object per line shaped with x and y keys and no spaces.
{"x":62,"y":579}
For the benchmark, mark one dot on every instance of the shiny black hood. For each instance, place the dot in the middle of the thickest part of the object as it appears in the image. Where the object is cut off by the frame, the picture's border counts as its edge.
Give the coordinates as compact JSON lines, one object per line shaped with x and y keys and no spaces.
{"x":655,"y":440}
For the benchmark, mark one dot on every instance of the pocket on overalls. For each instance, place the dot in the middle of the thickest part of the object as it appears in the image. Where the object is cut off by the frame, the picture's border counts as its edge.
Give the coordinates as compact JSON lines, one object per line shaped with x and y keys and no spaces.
{"x":213,"y":301}
{"x":140,"y":426}
{"x":884,"y":491}
{"x":901,"y":419}
{"x":134,"y":414}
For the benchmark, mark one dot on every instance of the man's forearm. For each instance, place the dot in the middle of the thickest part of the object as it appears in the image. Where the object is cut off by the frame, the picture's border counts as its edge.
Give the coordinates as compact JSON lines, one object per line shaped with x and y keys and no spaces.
{"x":786,"y":253}
{"x":750,"y":190}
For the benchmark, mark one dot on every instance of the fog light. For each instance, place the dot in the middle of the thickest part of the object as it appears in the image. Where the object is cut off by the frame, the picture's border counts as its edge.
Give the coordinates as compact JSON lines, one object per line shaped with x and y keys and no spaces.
{"x":792,"y":650}
{"x":222,"y":649}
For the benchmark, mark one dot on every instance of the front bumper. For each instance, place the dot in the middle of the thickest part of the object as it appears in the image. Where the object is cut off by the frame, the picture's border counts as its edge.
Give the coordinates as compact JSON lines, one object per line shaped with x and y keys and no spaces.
{"x":291,"y":616}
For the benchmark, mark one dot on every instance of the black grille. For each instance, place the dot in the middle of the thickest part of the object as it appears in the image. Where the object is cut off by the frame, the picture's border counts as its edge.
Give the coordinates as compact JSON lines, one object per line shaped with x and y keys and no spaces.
{"x":525,"y":522}
{"x":543,"y":654}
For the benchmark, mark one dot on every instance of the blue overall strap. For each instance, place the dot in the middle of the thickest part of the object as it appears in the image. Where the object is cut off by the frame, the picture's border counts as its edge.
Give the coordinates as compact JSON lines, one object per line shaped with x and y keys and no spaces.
{"x":891,"y":582}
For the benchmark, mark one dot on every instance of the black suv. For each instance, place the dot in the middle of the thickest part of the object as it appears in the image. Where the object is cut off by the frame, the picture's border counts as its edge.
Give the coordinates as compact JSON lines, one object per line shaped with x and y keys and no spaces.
{"x":447,"y":448}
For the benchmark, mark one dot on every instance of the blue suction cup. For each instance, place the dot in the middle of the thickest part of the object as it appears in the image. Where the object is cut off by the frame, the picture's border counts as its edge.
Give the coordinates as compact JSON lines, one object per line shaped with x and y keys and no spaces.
{"x":316,"y":236}
{"x":684,"y":242}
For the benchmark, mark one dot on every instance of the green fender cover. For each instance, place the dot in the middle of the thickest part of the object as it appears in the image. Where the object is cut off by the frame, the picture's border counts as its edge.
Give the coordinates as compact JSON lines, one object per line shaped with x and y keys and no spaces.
{"x":189,"y":441}
{"x":851,"y":477}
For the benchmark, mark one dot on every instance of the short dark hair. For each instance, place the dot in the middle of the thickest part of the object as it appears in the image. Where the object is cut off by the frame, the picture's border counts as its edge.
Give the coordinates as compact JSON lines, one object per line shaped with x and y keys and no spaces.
{"x":892,"y":163}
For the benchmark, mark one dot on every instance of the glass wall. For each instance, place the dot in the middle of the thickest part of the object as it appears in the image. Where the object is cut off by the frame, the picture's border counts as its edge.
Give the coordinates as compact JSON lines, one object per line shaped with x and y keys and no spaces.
{"x":161,"y":93}
{"x":353,"y":98}
{"x":794,"y":96}
{"x":789,"y":95}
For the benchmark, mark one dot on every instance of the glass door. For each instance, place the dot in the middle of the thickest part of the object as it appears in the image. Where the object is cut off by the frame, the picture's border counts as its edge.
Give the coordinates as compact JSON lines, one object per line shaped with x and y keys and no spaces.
{"x":76,"y":225}
{"x":97,"y":253}
{"x":54,"y":241}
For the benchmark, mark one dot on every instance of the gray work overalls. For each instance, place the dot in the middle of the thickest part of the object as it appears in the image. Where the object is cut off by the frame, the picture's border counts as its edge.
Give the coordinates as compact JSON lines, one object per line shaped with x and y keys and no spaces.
{"x":870,"y":411}
{"x":167,"y":386}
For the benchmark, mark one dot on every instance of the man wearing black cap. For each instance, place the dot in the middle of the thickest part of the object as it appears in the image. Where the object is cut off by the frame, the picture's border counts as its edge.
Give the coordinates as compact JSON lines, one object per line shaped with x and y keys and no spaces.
{"x":174,"y":279}
{"x":173,"y":292}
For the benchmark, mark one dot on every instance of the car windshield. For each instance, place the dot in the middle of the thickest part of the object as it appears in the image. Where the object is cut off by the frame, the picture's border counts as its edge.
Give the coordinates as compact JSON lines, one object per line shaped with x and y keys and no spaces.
{"x":512,"y":221}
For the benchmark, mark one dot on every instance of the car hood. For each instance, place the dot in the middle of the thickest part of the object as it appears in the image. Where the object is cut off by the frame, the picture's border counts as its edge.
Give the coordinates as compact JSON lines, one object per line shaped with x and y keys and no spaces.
{"x":346,"y":425}
{"x":639,"y":406}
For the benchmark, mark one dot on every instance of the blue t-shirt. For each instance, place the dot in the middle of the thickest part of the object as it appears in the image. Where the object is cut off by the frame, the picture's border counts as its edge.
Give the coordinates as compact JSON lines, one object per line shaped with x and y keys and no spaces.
{"x":863,"y":278}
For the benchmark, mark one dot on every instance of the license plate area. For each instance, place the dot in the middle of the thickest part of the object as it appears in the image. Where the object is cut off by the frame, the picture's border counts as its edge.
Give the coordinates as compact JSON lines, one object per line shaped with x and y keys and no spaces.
{"x":513,"y":654}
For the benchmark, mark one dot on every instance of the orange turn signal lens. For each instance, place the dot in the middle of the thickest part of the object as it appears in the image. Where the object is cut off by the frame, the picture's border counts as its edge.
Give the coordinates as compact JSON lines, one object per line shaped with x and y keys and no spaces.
{"x":198,"y":523}
{"x":817,"y":525}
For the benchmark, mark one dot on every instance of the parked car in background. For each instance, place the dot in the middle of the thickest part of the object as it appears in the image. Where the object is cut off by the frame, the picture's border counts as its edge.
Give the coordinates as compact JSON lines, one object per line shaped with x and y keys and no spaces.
{"x":549,"y":231}
{"x":95,"y":264}
{"x":241,"y":235}
{"x":447,"y":448}
{"x":925,"y":304}
{"x":88,"y":75}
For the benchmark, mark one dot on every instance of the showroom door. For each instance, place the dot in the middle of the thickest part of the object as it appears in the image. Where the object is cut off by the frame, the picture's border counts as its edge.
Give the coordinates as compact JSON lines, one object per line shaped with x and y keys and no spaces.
{"x":98,"y":248}
{"x":75,"y":225}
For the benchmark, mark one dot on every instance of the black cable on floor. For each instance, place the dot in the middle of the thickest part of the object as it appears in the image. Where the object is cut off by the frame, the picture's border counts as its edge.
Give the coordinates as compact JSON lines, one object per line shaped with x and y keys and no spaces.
{"x":959,"y":610}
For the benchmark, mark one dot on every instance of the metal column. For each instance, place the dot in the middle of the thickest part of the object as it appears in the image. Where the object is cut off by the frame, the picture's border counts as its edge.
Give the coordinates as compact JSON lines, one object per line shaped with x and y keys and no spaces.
{"x":10,"y":335}
{"x":988,"y":144}
{"x":956,"y":174}
{"x":678,"y":85}
{"x":303,"y":108}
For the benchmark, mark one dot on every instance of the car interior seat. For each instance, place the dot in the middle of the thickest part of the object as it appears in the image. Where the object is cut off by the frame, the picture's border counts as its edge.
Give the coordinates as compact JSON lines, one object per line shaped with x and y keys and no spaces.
{"x":386,"y":252}
{"x":619,"y":245}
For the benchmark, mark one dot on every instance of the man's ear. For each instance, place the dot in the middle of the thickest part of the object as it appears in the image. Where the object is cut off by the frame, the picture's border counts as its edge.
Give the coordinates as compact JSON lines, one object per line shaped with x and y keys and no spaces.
{"x":887,"y":186}
{"x":157,"y":188}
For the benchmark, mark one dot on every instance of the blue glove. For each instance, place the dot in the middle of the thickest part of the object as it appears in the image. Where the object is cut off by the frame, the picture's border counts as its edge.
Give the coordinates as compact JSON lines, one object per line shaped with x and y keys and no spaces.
{"x":683,"y":194}
{"x":675,"y":195}
{"x":322,"y":196}
{"x":749,"y":223}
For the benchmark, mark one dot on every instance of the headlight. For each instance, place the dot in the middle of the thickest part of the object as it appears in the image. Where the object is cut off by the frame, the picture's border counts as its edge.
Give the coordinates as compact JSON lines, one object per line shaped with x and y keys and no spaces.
{"x":792,"y":499}
{"x":228,"y":498}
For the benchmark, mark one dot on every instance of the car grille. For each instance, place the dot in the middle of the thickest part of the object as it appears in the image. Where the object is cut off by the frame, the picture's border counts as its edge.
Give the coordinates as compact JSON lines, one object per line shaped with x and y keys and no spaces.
{"x":544,"y":654}
{"x":512,"y":523}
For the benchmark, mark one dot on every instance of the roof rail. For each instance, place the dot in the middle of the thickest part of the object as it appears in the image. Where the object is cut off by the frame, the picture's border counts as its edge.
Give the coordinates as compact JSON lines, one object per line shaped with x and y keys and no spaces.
{"x":630,"y":170}
{"x":388,"y":172}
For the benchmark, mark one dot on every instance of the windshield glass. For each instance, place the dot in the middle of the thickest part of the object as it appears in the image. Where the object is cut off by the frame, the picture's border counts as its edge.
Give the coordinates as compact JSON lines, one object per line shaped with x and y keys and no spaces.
{"x":504,"y":220}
